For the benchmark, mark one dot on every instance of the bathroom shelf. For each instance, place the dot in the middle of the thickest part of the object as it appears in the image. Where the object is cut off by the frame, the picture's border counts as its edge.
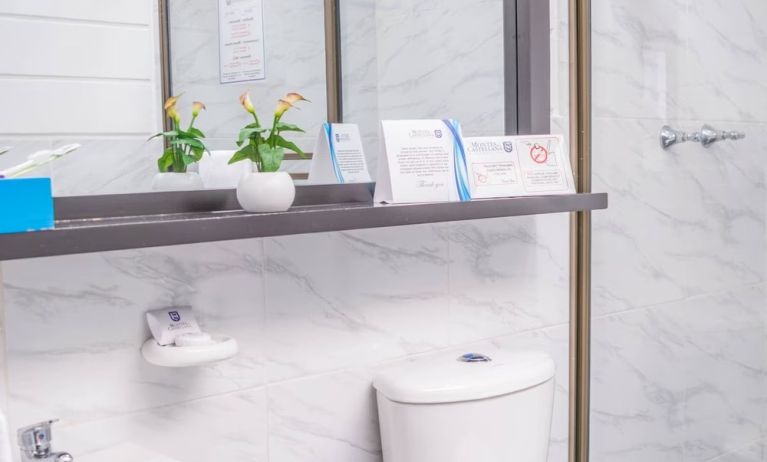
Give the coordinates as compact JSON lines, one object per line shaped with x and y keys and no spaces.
{"x":116,"y":222}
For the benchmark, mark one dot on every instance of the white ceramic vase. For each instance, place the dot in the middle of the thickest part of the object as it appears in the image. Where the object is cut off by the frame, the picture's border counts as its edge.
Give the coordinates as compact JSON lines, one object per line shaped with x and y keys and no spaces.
{"x":266,"y":192}
{"x":172,"y":181}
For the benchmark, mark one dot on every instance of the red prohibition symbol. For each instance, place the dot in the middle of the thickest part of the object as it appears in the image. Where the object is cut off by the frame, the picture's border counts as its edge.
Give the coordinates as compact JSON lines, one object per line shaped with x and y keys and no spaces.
{"x":539,"y":154}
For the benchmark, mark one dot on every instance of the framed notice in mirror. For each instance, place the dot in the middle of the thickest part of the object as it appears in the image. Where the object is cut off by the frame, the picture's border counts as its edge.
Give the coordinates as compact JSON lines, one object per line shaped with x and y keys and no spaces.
{"x":241,"y":41}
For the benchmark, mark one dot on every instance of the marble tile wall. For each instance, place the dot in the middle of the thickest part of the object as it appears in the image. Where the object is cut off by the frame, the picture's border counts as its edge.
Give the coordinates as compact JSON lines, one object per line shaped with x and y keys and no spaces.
{"x":679,"y":258}
{"x":315,"y":317}
{"x":679,"y":296}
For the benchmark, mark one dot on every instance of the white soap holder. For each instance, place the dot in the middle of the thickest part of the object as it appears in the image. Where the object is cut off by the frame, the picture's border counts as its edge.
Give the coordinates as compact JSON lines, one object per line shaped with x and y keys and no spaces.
{"x":219,"y":349}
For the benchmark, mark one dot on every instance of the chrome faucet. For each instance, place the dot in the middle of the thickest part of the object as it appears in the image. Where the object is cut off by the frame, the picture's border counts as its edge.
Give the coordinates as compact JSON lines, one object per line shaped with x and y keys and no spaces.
{"x":35,"y":444}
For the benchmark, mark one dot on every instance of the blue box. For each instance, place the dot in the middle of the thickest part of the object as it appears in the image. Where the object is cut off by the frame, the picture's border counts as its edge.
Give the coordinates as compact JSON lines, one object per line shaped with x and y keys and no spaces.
{"x":26,"y":204}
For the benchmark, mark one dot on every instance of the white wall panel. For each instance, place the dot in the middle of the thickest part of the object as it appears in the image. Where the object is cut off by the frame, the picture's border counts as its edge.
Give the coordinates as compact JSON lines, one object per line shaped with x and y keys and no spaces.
{"x":82,"y":107}
{"x":123,"y":11}
{"x":75,"y":49}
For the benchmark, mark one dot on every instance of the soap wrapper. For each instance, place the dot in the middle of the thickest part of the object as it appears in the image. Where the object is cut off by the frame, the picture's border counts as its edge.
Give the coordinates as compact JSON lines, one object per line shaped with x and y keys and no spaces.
{"x":168,"y":323}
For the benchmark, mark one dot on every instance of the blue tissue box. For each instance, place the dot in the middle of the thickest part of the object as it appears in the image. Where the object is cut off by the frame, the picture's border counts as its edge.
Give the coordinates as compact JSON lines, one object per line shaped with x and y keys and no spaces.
{"x":26,"y":204}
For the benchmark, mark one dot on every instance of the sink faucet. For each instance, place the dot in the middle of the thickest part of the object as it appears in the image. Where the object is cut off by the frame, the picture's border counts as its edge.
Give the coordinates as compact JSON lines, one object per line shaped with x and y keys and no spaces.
{"x":35,"y":444}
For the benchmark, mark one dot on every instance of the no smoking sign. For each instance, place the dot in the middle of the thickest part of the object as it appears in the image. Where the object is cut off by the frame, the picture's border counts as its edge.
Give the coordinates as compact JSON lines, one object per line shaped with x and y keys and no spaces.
{"x":539,"y":154}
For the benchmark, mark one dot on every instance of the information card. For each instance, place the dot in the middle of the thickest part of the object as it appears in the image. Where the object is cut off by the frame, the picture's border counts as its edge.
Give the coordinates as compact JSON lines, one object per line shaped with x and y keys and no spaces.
{"x":338,"y":156}
{"x":241,"y":40}
{"x":506,"y":166}
{"x":422,"y":161}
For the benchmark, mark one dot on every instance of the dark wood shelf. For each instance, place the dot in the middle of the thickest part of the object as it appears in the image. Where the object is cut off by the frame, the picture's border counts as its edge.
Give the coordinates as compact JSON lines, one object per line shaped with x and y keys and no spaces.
{"x":103,"y":223}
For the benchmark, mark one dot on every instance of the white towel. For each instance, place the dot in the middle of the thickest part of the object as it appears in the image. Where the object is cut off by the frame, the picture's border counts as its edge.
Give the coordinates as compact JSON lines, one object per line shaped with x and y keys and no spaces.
{"x":5,"y":440}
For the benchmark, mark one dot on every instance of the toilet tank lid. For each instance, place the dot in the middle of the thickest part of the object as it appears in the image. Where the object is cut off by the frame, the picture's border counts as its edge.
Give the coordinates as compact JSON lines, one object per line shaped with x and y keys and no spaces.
{"x":472,"y":376}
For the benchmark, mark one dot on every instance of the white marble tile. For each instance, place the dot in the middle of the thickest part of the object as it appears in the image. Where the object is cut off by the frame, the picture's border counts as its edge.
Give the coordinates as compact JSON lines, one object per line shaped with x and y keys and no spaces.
{"x":681,"y":222}
{"x":338,"y":300}
{"x":507,"y":275}
{"x":681,"y":381}
{"x":638,"y":57}
{"x":752,"y":453}
{"x":726,"y":363}
{"x":81,"y":320}
{"x":725,"y":61}
{"x":329,"y":418}
{"x":230,"y":427}
{"x":637,"y":388}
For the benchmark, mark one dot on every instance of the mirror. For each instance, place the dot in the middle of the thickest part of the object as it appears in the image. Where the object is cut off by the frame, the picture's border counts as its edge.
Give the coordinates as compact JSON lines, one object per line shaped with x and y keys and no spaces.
{"x":97,"y":77}
{"x":221,"y":49}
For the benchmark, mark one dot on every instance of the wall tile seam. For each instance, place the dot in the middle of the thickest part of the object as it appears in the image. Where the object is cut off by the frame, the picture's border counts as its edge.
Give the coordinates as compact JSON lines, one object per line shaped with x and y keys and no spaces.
{"x":681,"y":120}
{"x":77,"y":21}
{"x":267,"y":385}
{"x":692,"y":298}
{"x":722,"y":456}
{"x":54,"y":78}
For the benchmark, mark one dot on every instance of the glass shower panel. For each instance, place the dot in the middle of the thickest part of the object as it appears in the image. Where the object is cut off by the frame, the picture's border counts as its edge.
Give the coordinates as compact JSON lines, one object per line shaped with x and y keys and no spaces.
{"x":678,"y":360}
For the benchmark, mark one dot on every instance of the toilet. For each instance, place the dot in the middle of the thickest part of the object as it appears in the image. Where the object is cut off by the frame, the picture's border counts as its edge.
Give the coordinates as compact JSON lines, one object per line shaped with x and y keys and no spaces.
{"x":474,"y":408}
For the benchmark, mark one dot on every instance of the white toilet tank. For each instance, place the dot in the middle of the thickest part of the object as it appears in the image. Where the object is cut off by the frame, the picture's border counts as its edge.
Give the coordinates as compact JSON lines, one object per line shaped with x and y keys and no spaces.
{"x":474,"y":408}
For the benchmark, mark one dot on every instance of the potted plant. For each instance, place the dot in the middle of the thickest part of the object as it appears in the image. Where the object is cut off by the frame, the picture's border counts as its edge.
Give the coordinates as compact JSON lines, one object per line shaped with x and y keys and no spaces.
{"x":184,"y":149}
{"x":267,"y":189}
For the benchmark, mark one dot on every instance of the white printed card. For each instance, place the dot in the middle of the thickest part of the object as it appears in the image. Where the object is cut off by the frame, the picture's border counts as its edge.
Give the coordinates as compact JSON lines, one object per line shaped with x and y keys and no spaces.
{"x":503,"y":166}
{"x":338,"y":156}
{"x":422,"y":161}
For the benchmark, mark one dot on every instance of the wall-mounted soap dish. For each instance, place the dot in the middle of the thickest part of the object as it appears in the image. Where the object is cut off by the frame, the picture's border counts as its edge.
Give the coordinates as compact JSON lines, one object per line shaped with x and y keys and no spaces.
{"x":188,"y":355}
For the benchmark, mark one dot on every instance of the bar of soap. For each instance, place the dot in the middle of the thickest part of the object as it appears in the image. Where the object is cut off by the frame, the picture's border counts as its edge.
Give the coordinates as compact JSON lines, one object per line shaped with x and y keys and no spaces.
{"x":199,"y":339}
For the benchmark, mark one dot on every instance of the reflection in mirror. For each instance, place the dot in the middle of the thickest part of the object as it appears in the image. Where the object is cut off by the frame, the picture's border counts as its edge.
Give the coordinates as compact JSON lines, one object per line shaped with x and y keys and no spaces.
{"x":221,"y":49}
{"x":82,"y":72}
{"x":404,"y":59}
{"x":429,"y":59}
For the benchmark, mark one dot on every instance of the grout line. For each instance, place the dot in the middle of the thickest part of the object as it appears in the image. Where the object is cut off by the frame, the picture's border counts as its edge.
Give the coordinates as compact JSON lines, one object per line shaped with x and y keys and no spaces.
{"x":82,"y":21}
{"x":678,"y":300}
{"x":736,"y":450}
{"x":74,"y":135}
{"x":74,"y":78}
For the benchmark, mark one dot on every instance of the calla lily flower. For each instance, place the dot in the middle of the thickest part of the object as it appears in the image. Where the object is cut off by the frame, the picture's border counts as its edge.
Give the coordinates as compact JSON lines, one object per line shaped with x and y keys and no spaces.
{"x":282,"y":107}
{"x":293,"y":98}
{"x":246,"y":103}
{"x":173,"y":114}
{"x":197,"y":107}
{"x":170,"y":103}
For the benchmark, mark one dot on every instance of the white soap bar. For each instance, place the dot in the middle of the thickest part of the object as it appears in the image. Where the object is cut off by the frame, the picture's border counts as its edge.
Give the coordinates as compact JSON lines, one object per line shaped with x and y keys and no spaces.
{"x":168,"y":323}
{"x":186,"y":340}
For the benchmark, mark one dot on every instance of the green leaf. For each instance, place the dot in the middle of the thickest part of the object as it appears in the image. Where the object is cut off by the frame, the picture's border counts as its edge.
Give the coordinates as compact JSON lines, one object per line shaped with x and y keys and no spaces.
{"x":169,"y":133}
{"x":194,"y":131}
{"x":280,"y":141}
{"x":283,"y":127}
{"x":188,"y":159}
{"x":246,"y":133}
{"x":271,"y":158}
{"x":248,"y":152}
{"x":253,"y":125}
{"x":198,"y":152}
{"x":188,"y":142}
{"x":165,"y":161}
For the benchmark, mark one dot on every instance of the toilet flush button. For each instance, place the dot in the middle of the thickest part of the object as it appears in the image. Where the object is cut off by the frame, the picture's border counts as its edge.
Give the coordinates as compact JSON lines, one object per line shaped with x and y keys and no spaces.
{"x":474,"y":358}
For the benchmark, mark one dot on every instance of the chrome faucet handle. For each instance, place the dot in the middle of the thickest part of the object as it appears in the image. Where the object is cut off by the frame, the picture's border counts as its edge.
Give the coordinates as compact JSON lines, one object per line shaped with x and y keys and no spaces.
{"x":35,"y":443}
{"x":733,"y":135}
{"x":670,"y":137}
{"x":710,"y":135}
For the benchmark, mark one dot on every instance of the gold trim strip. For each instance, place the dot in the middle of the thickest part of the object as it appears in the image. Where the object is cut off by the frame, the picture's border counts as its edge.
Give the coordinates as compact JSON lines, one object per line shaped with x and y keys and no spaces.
{"x":580,"y":230}
{"x":333,"y":60}
{"x":165,"y":79}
